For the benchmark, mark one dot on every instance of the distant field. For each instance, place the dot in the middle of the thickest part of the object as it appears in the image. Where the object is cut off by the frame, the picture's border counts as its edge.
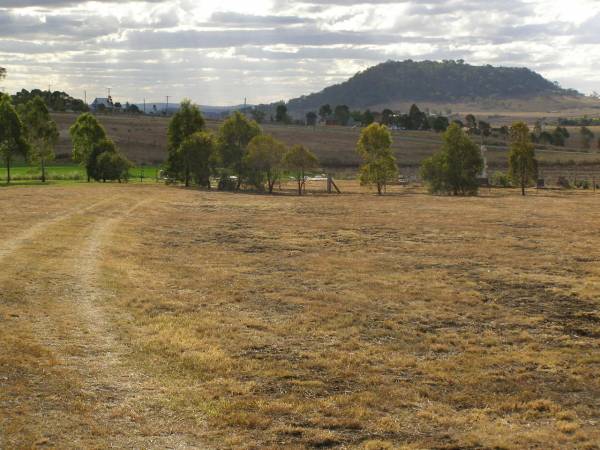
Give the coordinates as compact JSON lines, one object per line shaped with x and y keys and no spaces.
{"x":145,"y":316}
{"x":64,"y":173}
{"x":144,"y":140}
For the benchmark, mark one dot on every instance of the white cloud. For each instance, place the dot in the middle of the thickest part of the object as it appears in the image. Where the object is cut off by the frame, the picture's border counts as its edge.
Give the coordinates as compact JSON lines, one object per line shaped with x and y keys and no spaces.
{"x":267,"y":50}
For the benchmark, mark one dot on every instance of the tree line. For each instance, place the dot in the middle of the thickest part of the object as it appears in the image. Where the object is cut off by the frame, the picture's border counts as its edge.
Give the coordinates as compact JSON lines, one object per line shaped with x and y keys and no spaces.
{"x":56,"y":101}
{"x":28,"y":131}
{"x":454,"y":169}
{"x":415,"y":119}
{"x":239,"y":154}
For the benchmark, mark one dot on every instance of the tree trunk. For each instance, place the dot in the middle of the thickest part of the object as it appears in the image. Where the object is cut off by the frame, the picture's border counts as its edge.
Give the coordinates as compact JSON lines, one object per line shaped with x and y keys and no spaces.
{"x":378,"y":188}
{"x":43,"y":171}
{"x":7,"y":170}
{"x":187,"y":177}
{"x":239,"y":178}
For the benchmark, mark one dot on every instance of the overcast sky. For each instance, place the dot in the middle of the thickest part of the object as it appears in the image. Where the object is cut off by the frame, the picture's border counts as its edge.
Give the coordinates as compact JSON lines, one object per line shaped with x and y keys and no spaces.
{"x":218,"y":52}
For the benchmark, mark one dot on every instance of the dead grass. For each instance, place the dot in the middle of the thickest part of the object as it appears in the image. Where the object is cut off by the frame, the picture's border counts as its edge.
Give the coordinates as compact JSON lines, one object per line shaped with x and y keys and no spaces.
{"x":248,"y":321}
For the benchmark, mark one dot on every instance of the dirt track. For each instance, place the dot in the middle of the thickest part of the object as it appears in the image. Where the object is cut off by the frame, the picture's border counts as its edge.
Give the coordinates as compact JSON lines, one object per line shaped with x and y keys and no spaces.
{"x":52,"y":266}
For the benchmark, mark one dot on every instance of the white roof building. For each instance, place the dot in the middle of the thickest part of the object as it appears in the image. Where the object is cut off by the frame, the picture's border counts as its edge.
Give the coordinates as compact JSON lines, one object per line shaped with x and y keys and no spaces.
{"x":106,"y":102}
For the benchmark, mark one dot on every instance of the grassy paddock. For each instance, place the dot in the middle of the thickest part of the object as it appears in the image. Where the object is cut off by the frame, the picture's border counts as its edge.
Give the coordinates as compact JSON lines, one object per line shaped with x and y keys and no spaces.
{"x":66,"y":173}
{"x":146,"y":316}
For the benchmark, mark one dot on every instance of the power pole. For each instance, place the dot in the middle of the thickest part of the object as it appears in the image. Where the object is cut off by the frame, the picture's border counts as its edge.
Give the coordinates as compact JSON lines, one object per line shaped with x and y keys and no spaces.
{"x":85,"y":97}
{"x":167,"y":108}
{"x":144,"y":106}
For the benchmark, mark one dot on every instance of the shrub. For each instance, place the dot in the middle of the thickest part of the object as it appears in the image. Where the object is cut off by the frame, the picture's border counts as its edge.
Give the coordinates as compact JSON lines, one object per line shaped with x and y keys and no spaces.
{"x":501,"y":179}
{"x":582,"y":184}
{"x":455,"y":168}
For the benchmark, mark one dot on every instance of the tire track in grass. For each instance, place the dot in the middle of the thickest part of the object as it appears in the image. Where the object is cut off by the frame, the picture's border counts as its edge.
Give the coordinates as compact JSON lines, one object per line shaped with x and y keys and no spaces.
{"x":9,"y":246}
{"x":121,"y":405}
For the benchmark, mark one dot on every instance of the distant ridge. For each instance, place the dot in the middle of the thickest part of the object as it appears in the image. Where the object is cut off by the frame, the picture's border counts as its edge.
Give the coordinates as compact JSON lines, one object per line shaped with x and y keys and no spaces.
{"x":207,"y":110}
{"x":447,"y":81}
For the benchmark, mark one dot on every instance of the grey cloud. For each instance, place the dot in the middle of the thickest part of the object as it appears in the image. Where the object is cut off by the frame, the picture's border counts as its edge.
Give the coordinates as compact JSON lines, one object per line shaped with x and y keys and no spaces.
{"x":80,"y":48}
{"x":59,"y":3}
{"x":238,"y":19}
{"x":233,"y":38}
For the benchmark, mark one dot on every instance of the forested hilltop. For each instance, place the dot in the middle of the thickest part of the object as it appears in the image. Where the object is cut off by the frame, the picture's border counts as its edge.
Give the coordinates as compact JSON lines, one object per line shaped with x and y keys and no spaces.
{"x":447,"y":81}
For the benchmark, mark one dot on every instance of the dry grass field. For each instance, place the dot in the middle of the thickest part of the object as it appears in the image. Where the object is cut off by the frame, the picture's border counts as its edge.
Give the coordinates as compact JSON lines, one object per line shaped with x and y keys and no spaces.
{"x":155,"y":317}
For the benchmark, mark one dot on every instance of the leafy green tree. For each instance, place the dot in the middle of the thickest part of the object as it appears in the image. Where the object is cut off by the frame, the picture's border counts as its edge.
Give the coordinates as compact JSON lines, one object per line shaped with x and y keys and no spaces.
{"x":440,"y":124}
{"x":375,"y":148}
{"x":311,"y":118}
{"x":132,"y":109}
{"x":111,"y":165}
{"x":55,"y":101}
{"x":368,"y":118}
{"x":547,"y":138}
{"x":417,"y":120}
{"x":94,"y":169}
{"x":387,"y":116}
{"x":471,"y":122}
{"x":42,"y":132}
{"x":559,"y":136}
{"x":13,"y":140}
{"x":234,"y":136}
{"x":2,"y":73}
{"x":503,"y":131}
{"x":264,"y":161}
{"x":587,"y":137}
{"x":523,"y":166}
{"x":198,"y":154}
{"x":342,"y":115}
{"x":86,"y":133}
{"x":185,"y":122}
{"x":325,"y":112}
{"x":298,"y":160}
{"x":485,"y":128}
{"x":357,"y":116}
{"x":281,"y":115}
{"x":455,"y":167}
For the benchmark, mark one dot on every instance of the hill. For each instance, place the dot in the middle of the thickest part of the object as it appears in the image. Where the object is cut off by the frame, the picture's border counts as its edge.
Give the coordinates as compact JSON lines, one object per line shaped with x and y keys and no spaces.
{"x":207,"y":110}
{"x":395,"y":82}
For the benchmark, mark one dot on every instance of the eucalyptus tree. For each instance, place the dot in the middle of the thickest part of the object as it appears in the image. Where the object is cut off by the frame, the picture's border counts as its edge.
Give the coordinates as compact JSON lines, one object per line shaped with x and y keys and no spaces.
{"x":375,"y":148}
{"x":523,"y":166}
{"x":13,"y":140}
{"x":86,"y":133}
{"x":298,"y":160}
{"x":264,"y":161}
{"x":234,"y":136}
{"x":42,"y":132}
{"x":184,"y":123}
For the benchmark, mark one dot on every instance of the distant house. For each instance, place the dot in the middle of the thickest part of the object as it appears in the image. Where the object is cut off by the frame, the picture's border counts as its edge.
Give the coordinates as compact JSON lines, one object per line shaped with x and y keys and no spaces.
{"x":102,"y":104}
